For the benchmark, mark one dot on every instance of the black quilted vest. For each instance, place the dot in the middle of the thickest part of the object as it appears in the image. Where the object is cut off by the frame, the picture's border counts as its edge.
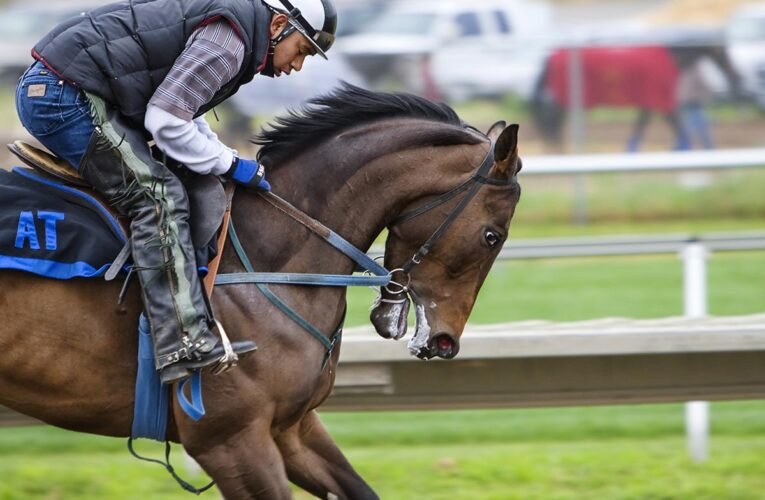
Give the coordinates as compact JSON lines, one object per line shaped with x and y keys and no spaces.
{"x":122,"y":52}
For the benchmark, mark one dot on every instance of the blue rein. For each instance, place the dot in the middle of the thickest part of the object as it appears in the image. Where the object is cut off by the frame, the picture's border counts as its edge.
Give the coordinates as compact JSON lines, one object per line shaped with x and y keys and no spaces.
{"x":381,"y":276}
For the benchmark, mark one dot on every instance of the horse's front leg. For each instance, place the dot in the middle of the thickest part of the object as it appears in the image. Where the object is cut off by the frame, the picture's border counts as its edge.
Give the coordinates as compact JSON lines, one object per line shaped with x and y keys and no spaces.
{"x":316,"y":464}
{"x":245,"y":465}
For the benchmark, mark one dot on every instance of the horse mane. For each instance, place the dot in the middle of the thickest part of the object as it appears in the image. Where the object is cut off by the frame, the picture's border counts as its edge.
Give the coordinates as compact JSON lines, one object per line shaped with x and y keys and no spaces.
{"x":348,"y":106}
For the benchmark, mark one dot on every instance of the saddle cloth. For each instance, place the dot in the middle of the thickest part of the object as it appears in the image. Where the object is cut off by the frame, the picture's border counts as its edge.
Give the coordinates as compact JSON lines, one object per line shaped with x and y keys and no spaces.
{"x":54,"y":230}
{"x":53,"y":225}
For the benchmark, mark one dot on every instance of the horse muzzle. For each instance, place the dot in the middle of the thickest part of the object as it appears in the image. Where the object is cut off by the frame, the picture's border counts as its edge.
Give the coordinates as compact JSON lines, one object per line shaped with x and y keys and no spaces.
{"x":389,"y":319}
{"x":442,"y":346}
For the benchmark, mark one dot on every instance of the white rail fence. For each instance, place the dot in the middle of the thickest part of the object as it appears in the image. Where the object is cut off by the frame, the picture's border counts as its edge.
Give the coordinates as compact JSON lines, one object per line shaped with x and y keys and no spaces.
{"x":718,"y":159}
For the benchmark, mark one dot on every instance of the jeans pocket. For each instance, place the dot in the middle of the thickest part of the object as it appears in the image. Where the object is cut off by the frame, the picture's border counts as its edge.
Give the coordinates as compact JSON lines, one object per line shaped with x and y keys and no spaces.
{"x":72,"y":103}
{"x":40,"y":114}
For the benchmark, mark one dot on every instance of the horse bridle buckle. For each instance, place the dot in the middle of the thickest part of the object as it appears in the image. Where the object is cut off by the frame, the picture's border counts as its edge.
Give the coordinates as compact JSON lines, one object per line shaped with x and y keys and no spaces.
{"x":396,"y":288}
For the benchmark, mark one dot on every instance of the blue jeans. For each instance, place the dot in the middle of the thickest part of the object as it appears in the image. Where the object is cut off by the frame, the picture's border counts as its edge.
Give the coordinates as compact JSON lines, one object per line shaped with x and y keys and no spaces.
{"x":55,"y":112}
{"x":697,"y":124}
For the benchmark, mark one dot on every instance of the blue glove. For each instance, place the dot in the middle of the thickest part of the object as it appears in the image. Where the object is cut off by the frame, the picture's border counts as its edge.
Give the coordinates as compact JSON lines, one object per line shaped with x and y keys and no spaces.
{"x":249,"y":174}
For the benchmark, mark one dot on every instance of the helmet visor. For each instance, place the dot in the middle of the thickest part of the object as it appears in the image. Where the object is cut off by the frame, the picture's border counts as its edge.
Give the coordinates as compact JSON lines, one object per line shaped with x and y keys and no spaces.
{"x":322,"y":41}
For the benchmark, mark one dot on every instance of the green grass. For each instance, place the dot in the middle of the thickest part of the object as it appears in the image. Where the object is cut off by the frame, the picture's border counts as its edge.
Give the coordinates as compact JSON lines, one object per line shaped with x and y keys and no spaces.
{"x":643,"y":199}
{"x":635,"y":452}
{"x":585,"y":470}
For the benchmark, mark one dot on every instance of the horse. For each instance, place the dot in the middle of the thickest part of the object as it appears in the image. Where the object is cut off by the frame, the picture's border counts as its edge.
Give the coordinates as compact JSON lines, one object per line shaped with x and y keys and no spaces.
{"x":354,"y":160}
{"x":645,"y":77}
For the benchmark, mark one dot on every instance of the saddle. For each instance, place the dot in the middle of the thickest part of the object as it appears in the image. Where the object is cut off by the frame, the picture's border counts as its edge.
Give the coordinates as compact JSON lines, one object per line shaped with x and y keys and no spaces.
{"x":47,"y":163}
{"x":53,"y":182}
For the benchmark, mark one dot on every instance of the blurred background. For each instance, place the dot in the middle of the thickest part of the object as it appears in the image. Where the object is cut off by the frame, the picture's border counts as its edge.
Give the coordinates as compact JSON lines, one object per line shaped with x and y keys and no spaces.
{"x":656,"y":84}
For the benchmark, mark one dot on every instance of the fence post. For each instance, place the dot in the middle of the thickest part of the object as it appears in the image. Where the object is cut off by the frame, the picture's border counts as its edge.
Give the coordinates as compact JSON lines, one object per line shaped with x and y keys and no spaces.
{"x":694,"y":257}
{"x":576,"y":126}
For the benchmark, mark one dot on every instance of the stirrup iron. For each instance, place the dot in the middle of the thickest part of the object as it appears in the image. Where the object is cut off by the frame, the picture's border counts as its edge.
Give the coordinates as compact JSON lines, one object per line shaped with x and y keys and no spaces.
{"x":230,"y":358}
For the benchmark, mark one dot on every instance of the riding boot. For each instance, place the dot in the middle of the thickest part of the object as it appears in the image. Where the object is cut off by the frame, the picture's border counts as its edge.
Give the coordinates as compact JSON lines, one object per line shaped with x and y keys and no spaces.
{"x":118,"y":163}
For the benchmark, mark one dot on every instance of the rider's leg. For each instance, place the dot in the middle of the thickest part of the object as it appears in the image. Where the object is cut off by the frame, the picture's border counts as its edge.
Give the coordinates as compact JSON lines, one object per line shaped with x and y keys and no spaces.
{"x":119,"y":164}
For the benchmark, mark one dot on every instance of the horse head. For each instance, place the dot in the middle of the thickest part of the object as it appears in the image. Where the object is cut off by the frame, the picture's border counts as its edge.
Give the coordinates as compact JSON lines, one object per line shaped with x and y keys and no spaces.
{"x":360,"y":162}
{"x":443,"y":281}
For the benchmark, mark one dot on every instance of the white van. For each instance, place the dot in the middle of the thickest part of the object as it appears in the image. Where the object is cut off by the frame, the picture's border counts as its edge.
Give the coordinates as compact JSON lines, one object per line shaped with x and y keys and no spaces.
{"x":480,"y":47}
{"x":745,"y":38}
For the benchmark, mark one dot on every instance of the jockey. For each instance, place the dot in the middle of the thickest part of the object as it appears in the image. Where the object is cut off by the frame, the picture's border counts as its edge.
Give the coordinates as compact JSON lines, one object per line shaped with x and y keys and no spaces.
{"x":105,"y":82}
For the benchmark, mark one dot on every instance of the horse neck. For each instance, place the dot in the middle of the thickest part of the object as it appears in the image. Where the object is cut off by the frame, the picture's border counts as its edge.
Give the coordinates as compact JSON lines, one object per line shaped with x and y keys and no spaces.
{"x":355,"y":184}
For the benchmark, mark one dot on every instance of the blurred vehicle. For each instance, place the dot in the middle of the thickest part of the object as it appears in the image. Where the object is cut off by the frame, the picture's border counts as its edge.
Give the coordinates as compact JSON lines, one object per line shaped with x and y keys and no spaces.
{"x":745,"y":37}
{"x":22,"y":25}
{"x":489,"y":68}
{"x":483,"y":47}
{"x":353,"y":16}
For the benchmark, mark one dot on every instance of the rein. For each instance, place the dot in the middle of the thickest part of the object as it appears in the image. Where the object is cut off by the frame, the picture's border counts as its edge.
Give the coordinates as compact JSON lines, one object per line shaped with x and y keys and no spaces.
{"x":380,"y":276}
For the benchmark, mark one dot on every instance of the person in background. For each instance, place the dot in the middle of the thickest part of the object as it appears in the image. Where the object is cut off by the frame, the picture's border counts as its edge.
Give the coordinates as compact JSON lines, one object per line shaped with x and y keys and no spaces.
{"x":695,"y":89}
{"x":693,"y":95}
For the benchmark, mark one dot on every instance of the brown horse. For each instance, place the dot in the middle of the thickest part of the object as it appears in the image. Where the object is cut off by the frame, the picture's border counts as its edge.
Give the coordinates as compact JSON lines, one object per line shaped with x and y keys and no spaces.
{"x":355,"y":161}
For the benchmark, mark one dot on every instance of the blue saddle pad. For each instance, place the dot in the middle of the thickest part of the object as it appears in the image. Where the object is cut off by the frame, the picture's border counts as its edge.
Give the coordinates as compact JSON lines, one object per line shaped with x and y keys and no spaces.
{"x":54,"y":230}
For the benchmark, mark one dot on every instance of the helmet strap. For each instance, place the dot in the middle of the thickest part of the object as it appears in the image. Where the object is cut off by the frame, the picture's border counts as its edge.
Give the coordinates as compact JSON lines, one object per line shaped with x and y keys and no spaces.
{"x":287,"y":31}
{"x":269,"y":68}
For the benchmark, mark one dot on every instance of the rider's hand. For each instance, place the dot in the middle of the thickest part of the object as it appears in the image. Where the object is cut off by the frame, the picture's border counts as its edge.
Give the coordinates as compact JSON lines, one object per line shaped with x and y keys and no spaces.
{"x":248,"y":173}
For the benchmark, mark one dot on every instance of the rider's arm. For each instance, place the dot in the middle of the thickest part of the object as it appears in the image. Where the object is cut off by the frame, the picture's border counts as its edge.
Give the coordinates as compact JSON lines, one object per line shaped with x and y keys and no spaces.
{"x":184,"y":142}
{"x":213,"y":56}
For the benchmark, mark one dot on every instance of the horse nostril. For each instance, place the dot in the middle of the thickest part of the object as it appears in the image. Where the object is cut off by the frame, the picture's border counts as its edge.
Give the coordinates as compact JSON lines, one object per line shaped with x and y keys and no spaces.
{"x":444,"y":342}
{"x":443,"y":346}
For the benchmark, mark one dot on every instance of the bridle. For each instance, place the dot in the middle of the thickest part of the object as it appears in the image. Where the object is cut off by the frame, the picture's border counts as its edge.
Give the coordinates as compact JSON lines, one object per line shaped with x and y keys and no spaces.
{"x":471,"y":186}
{"x":376,"y":274}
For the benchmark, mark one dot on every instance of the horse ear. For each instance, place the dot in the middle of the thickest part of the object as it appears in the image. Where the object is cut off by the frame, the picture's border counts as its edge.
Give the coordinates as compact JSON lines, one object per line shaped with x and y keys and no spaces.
{"x":506,"y":150}
{"x":496,"y":129}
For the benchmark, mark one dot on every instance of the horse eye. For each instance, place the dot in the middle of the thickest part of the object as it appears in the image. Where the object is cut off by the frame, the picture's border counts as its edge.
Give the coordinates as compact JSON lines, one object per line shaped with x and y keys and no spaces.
{"x":492,"y":238}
